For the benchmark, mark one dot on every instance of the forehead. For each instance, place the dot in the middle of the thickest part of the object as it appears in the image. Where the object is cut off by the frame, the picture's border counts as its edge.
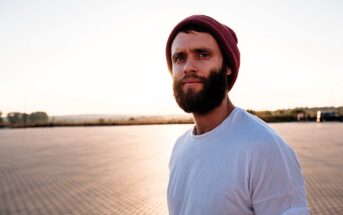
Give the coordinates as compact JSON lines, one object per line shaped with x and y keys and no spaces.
{"x":193,"y":40}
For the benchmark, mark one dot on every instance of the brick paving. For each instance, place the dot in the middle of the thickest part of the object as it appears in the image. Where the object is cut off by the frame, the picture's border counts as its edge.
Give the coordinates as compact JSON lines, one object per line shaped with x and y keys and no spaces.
{"x":123,"y":170}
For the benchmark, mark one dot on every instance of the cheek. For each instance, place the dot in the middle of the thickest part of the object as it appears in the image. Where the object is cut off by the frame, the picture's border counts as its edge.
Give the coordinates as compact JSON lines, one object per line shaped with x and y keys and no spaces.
{"x":177,"y":73}
{"x":175,"y":77}
{"x":177,"y":69}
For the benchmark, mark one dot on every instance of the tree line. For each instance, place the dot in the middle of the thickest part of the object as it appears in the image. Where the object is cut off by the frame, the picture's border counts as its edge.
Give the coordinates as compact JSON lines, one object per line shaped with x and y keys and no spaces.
{"x":17,"y":119}
{"x":38,"y":119}
{"x":294,"y":114}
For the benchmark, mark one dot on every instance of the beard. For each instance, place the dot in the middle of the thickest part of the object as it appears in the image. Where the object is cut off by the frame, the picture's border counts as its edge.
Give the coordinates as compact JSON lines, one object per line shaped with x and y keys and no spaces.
{"x":209,"y":97}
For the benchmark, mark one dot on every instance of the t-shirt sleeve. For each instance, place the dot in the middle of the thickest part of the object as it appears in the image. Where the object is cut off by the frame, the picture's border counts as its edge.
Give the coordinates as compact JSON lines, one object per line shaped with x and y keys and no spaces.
{"x":276,"y":181}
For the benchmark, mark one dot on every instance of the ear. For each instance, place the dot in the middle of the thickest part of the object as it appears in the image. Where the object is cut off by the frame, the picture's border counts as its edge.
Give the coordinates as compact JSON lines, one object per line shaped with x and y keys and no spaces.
{"x":228,"y":71}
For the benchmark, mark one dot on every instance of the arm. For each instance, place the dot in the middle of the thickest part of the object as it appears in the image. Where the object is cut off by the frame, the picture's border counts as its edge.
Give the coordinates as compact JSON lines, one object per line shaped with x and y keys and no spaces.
{"x":276,"y":183}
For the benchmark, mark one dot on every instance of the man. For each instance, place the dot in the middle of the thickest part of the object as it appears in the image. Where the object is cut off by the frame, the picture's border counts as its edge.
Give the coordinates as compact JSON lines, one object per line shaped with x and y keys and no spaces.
{"x":231,"y":162}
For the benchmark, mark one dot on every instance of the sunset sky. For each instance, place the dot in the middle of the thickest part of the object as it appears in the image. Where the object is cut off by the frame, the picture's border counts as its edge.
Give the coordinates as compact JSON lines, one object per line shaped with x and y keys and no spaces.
{"x":107,"y":57}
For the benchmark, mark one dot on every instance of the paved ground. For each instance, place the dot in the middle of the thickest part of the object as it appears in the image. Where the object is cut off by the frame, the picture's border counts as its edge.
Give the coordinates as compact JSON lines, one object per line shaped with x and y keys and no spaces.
{"x":123,"y":170}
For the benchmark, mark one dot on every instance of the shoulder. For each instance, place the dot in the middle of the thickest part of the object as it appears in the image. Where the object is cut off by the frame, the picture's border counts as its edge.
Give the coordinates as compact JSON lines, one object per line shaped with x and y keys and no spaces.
{"x":181,"y":140}
{"x":253,"y":128}
{"x":275,"y":176}
{"x":184,"y":137}
{"x":244,"y":120}
{"x":178,"y":147}
{"x":259,"y":140}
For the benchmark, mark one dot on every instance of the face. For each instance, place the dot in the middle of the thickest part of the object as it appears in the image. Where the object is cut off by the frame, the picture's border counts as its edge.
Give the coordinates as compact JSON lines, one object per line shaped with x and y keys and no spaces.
{"x":200,"y":78}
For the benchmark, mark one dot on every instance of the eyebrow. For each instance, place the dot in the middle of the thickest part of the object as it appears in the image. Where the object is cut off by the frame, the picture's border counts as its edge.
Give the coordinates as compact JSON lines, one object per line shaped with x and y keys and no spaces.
{"x":196,"y":50}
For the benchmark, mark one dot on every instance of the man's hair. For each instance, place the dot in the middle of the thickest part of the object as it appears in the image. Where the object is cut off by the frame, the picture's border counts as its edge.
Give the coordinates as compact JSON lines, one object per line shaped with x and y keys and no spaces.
{"x":188,"y":28}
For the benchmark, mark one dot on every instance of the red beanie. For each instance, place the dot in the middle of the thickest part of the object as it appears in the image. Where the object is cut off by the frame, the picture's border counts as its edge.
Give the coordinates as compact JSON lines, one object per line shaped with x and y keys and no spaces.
{"x":225,"y":37}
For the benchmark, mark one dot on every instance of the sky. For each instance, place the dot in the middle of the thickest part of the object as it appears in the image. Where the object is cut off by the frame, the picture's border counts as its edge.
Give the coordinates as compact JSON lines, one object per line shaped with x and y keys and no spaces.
{"x":108,"y":57}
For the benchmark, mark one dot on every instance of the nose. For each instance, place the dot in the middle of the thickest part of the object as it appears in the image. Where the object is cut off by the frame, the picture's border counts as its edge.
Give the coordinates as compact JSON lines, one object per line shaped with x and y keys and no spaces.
{"x":190,"y":66}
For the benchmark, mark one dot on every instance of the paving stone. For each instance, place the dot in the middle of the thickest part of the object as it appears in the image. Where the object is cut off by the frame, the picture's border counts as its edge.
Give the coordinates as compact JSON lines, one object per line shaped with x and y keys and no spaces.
{"x":124,"y":170}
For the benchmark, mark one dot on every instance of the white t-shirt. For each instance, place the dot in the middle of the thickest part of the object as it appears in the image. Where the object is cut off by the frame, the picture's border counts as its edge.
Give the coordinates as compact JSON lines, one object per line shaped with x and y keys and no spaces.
{"x":241,"y":167}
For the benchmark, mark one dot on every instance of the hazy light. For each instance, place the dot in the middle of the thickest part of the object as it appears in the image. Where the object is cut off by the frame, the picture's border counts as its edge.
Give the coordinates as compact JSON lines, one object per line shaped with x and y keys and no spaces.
{"x":108,"y":57}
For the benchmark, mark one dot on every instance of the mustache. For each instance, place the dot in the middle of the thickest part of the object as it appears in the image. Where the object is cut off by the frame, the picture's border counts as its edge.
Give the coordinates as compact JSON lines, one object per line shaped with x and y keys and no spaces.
{"x":193,"y":77}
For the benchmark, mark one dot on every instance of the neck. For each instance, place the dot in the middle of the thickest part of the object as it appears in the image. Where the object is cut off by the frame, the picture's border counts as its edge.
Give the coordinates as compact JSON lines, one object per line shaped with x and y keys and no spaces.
{"x":210,"y":120}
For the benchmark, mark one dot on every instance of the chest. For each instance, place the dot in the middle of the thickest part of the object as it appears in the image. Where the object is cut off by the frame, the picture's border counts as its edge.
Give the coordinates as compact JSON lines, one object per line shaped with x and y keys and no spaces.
{"x":213,"y":177}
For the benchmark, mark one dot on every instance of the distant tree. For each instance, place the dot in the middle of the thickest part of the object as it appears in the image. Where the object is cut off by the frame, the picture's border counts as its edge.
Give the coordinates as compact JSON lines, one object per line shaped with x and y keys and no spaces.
{"x":251,"y":111}
{"x":340,"y":110}
{"x":24,"y":119}
{"x":38,"y":118}
{"x":279,"y":112}
{"x":1,"y":120}
{"x":264,"y":113}
{"x":15,"y":118}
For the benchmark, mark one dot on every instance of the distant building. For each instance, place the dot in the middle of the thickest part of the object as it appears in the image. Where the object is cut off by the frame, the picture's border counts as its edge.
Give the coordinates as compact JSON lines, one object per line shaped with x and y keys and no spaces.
{"x":301,"y":116}
{"x":324,"y":116}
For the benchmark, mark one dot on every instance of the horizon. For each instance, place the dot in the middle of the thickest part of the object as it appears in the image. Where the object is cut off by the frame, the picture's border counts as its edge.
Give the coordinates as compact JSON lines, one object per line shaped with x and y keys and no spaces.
{"x":85,"y":57}
{"x":183,"y":114}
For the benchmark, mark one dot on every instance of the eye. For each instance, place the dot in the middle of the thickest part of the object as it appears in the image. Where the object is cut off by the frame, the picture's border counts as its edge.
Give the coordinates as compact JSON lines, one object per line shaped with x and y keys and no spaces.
{"x":204,"y":54}
{"x":179,"y":58}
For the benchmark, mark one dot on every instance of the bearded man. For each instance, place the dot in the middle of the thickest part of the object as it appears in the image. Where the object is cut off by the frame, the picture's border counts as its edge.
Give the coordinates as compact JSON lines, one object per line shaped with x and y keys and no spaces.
{"x":231,"y":162}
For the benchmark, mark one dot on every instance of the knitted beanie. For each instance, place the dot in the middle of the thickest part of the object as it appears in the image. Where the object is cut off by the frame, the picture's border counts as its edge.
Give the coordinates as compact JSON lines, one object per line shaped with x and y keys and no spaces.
{"x":225,"y":37}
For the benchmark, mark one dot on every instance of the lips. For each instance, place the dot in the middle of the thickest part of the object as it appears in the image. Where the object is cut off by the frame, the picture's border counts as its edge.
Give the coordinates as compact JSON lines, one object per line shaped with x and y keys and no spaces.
{"x":191,"y":80}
